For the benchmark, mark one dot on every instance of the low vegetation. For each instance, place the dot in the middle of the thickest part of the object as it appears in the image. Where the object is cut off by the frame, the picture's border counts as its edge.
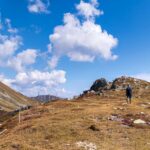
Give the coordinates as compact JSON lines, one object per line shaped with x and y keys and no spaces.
{"x":89,"y":122}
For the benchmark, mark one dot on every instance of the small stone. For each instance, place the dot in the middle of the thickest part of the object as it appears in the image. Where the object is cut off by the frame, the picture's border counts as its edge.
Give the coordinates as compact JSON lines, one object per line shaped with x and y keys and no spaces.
{"x":127,"y":122}
{"x":139,"y":121}
{"x":94,"y":128}
{"x":86,"y":145}
{"x":142,"y":113}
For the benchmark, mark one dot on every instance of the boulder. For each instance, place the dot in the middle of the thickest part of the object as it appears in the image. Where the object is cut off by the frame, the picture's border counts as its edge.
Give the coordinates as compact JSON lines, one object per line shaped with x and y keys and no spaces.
{"x":99,"y":85}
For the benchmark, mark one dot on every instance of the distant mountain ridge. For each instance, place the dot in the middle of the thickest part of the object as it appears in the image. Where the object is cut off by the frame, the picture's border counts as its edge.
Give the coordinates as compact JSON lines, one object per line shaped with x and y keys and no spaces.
{"x":45,"y":98}
{"x":11,"y":100}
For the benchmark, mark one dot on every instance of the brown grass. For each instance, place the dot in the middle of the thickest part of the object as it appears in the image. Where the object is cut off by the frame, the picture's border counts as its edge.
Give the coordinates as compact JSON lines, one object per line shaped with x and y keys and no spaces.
{"x":61,"y":124}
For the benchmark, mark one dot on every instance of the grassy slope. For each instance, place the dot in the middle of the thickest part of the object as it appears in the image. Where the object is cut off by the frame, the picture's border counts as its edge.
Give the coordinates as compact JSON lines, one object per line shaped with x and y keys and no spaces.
{"x":10,"y":99}
{"x":59,"y":125}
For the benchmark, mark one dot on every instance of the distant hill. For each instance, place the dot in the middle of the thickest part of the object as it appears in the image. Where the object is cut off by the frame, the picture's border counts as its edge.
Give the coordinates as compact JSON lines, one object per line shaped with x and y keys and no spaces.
{"x":11,"y":100}
{"x":45,"y":98}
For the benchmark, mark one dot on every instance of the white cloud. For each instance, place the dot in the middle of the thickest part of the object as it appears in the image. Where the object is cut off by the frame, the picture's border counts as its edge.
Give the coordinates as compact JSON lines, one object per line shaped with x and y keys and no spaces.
{"x":75,"y":56}
{"x":53,"y":62}
{"x":23,"y":59}
{"x":89,"y":10}
{"x":5,"y":80}
{"x":38,"y":6}
{"x":82,"y":40}
{"x":9,"y":42}
{"x":8,"y":45}
{"x":143,"y":76}
{"x":27,"y":80}
{"x":30,"y":83}
{"x":49,"y":46}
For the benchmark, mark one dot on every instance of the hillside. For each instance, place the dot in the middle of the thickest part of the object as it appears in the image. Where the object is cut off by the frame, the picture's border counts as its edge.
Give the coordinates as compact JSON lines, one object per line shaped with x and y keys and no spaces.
{"x":91,"y":122}
{"x":11,"y":100}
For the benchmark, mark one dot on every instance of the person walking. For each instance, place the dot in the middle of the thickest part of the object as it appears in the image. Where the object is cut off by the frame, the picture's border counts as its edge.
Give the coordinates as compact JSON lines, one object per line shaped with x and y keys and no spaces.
{"x":129,"y":93}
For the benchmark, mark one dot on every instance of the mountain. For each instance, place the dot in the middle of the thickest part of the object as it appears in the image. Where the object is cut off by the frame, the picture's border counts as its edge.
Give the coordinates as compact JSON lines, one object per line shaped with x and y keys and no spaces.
{"x":90,"y":122}
{"x":11,"y":100}
{"x":45,"y":98}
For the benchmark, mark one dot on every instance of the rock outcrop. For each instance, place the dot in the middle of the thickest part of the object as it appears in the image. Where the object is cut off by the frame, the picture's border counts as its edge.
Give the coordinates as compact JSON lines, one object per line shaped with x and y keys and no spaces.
{"x":102,"y":86}
{"x":99,"y":85}
{"x":122,"y":82}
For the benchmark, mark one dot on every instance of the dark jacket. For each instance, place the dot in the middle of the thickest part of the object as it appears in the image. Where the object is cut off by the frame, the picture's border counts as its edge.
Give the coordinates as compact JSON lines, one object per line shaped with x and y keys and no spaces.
{"x":129,"y":91}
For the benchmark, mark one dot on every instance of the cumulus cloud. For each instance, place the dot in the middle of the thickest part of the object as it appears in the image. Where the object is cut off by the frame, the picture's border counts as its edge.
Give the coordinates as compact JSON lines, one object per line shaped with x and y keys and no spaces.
{"x":82,"y":40}
{"x":9,"y":42}
{"x":23,"y":59}
{"x":38,"y":6}
{"x":143,"y":76}
{"x":30,"y":83}
{"x":9,"y":45}
{"x":89,"y":10}
{"x":26,"y":79}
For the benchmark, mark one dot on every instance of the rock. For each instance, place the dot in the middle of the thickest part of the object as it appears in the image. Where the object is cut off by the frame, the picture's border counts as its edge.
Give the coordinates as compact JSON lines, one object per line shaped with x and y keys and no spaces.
{"x":94,"y":128}
{"x":148,"y":123}
{"x":115,"y":117}
{"x":86,"y":145}
{"x":99,"y":85}
{"x":99,"y":93}
{"x":142,"y":113}
{"x":127,"y":122}
{"x":92,"y":92}
{"x":118,"y":108}
{"x":139,"y":121}
{"x":136,"y":84}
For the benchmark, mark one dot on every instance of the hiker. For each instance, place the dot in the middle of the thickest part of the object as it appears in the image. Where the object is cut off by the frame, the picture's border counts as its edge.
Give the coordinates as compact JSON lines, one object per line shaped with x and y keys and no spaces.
{"x":129,"y":93}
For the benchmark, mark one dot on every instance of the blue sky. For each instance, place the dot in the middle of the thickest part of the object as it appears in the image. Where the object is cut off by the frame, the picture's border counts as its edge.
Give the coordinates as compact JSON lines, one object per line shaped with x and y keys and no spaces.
{"x":74,"y":59}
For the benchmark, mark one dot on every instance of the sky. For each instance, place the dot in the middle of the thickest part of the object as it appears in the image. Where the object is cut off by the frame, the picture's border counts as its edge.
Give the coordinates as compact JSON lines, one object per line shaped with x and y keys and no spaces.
{"x":61,"y":47}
